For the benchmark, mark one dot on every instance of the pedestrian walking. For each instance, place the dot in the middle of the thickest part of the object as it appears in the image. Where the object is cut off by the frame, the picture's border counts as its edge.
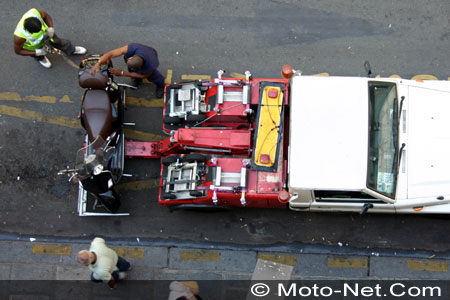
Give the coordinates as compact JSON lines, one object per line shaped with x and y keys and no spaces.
{"x":184,"y":290}
{"x":142,"y":62}
{"x":33,"y":30}
{"x":104,"y":263}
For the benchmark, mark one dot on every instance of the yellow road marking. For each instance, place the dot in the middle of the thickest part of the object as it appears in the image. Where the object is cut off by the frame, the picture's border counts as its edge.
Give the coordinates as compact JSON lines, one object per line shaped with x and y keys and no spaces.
{"x":72,"y":123}
{"x":37,"y":116}
{"x":168,"y":79}
{"x":11,"y":96}
{"x":200,"y":255}
{"x":129,"y":252}
{"x":236,"y":75}
{"x":142,"y":136}
{"x":424,"y":77}
{"x":155,"y":102}
{"x":321,"y":74}
{"x":280,"y":259}
{"x":52,"y":249}
{"x":195,"y":77}
{"x":65,"y":99}
{"x":355,"y":263}
{"x":423,"y":265}
{"x":138,"y":185}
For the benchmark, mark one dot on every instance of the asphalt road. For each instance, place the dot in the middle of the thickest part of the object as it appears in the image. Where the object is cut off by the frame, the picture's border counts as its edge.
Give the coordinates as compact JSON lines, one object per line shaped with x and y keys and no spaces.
{"x":38,"y":108}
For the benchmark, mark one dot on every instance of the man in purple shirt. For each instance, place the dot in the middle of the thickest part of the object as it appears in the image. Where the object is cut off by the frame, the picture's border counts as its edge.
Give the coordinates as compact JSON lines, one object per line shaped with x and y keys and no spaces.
{"x":142,"y":62}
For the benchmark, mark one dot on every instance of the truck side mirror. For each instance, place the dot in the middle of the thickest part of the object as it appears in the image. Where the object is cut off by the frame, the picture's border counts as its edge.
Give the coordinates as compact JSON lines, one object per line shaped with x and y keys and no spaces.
{"x":365,"y":208}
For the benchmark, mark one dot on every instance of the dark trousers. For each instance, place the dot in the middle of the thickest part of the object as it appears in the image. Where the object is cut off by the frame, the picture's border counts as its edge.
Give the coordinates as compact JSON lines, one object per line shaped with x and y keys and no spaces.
{"x":157,"y":79}
{"x":59,"y":43}
{"x":122,"y":265}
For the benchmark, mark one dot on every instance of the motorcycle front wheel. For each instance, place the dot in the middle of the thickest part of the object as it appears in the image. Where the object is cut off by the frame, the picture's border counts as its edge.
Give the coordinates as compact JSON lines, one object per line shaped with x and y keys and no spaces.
{"x":110,"y":200}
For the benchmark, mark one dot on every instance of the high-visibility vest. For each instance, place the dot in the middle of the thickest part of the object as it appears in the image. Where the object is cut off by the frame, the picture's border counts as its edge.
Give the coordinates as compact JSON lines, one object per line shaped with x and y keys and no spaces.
{"x":33,"y":40}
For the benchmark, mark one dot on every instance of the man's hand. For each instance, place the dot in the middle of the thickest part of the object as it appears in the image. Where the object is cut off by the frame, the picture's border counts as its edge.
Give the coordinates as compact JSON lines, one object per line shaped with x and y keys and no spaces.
{"x":115,"y":71}
{"x":95,"y":68}
{"x":50,"y":32}
{"x":112,"y":283}
{"x":40,"y":52}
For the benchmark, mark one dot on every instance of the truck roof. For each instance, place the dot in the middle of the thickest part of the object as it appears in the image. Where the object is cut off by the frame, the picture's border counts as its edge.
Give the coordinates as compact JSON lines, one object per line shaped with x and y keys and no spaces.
{"x":328,"y":133}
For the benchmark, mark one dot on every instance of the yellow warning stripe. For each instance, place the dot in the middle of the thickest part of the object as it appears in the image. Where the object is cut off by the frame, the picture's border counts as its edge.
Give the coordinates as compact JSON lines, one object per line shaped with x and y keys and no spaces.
{"x":355,"y":263}
{"x":289,"y":260}
{"x":424,"y":265}
{"x":130,"y":252}
{"x":52,"y":249}
{"x":268,"y":122}
{"x":200,"y":255}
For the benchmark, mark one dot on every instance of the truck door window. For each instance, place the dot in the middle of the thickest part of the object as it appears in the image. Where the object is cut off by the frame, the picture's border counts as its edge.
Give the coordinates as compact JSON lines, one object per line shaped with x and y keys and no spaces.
{"x":383,"y":138}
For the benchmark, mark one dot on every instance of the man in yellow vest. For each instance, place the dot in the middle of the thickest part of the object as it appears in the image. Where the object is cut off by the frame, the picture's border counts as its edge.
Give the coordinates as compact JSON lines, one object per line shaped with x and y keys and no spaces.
{"x":33,"y":29}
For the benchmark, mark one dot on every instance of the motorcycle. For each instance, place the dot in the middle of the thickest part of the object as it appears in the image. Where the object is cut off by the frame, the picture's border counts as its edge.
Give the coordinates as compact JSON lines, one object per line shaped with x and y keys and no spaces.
{"x":99,"y":164}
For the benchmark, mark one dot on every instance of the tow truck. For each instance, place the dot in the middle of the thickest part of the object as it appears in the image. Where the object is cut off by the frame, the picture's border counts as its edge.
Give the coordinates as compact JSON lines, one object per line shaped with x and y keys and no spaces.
{"x":307,"y":143}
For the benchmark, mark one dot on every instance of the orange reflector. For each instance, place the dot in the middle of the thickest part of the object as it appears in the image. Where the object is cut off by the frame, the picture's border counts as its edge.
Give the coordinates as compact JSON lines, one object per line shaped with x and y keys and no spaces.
{"x":418,"y":208}
{"x":283,"y":196}
{"x":287,"y":71}
{"x":264,"y":158}
{"x":419,"y":80}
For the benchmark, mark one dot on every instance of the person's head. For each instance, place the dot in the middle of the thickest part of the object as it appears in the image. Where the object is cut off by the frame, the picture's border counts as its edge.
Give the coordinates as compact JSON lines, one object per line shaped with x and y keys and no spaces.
{"x":85,"y":257}
{"x":135,"y":62}
{"x":32,"y":25}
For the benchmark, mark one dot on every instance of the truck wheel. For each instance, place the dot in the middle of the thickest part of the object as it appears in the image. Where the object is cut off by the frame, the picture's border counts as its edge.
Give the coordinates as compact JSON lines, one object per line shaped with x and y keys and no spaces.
{"x":169,"y":160}
{"x":175,"y":86}
{"x":194,"y":157}
{"x":196,"y":118}
{"x":196,"y":194}
{"x":171,"y":120}
{"x":167,"y":196}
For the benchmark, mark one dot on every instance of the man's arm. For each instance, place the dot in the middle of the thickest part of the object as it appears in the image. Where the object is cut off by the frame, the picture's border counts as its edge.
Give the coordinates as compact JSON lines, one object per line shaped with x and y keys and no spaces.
{"x":120,"y":72}
{"x":18,"y":47}
{"x":46,"y":17}
{"x":111,"y":54}
{"x":112,"y":283}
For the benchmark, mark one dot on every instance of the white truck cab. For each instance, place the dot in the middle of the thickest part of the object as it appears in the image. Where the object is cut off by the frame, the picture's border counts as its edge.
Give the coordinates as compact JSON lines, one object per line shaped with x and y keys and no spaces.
{"x":376,"y":144}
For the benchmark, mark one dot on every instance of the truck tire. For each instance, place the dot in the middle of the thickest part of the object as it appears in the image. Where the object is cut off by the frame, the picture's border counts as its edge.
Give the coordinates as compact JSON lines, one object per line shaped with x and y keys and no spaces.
{"x":196,"y":118}
{"x":167,"y":196}
{"x":194,"y":157}
{"x":196,"y":194}
{"x":172,"y":120}
{"x":169,"y":160}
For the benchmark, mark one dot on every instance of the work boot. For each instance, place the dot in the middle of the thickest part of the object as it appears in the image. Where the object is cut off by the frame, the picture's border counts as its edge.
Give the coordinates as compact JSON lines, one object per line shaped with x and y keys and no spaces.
{"x":45,"y":62}
{"x":159,"y":92}
{"x":79,"y":50}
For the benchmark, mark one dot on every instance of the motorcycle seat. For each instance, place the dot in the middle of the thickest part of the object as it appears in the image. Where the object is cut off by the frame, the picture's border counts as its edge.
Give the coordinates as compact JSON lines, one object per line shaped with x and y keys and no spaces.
{"x":89,"y":80}
{"x":97,"y":114}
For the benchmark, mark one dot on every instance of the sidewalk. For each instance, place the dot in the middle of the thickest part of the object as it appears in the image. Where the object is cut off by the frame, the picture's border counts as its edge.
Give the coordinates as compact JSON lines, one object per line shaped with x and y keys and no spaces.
{"x":37,"y":260}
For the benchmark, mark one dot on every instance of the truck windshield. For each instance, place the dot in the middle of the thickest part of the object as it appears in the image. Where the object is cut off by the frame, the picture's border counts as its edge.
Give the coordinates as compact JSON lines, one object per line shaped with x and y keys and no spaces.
{"x":383,"y":138}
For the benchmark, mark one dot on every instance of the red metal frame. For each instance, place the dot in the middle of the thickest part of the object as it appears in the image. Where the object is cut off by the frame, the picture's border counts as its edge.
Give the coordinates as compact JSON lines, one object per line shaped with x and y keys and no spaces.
{"x":229,"y":146}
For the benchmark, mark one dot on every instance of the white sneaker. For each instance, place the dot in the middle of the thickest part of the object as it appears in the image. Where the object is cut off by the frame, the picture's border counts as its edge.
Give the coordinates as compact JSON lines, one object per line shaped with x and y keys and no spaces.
{"x":45,"y":62}
{"x":79,"y":50}
{"x":122,"y":275}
